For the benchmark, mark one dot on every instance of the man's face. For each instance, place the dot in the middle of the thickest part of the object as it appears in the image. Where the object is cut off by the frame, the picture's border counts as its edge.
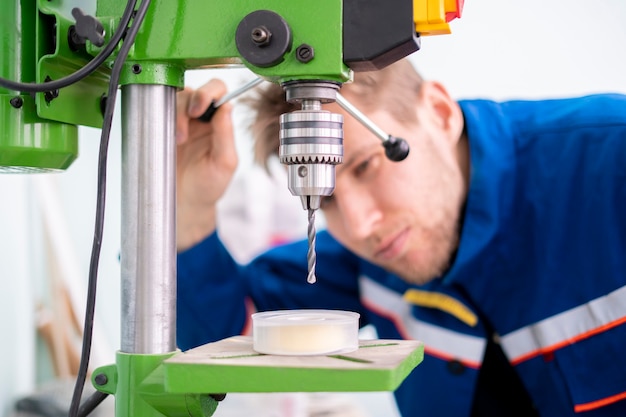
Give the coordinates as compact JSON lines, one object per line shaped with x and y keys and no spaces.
{"x":403,"y":215}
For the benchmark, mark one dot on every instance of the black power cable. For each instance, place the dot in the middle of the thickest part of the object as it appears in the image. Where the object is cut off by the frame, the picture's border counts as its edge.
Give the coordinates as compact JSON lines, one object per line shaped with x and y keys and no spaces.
{"x":100,"y":203}
{"x":83,"y":72}
{"x":91,"y":403}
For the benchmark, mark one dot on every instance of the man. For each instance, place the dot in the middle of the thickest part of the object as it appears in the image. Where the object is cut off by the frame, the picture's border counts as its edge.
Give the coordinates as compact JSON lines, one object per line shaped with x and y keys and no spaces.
{"x":499,"y":242}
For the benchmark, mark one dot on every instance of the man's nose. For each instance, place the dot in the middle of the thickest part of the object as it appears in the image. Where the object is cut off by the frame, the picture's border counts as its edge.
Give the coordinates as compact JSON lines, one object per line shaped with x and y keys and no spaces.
{"x":361,"y":211}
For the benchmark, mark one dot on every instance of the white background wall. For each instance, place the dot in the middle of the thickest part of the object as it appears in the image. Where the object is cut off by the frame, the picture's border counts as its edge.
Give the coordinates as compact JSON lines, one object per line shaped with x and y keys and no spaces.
{"x":499,"y":49}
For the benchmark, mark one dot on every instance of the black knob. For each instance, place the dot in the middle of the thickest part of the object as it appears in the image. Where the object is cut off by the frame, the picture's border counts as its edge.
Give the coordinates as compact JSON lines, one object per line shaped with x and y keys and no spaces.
{"x":263,"y":38}
{"x":396,"y":149}
{"x":88,"y":27}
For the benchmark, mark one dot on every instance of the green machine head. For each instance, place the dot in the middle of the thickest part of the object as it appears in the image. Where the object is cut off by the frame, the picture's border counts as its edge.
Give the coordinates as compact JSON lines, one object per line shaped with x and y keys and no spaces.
{"x":311,"y":51}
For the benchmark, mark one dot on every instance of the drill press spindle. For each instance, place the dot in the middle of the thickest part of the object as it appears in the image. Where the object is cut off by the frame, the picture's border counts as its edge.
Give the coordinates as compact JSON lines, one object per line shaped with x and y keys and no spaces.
{"x":311,"y":144}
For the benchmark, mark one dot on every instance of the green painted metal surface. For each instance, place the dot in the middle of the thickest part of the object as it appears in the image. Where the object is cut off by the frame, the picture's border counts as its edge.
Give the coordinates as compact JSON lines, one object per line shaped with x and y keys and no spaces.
{"x":181,"y":384}
{"x":200,"y":33}
{"x":231,"y":365}
{"x":17,"y":40}
{"x":140,"y":72}
{"x":30,"y":144}
{"x":79,"y":103}
{"x":138,"y":387}
{"x":27,"y":142}
{"x":174,"y":37}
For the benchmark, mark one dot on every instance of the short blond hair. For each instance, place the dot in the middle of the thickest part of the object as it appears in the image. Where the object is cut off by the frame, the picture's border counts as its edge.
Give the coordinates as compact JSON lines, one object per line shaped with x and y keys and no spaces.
{"x":392,"y":88}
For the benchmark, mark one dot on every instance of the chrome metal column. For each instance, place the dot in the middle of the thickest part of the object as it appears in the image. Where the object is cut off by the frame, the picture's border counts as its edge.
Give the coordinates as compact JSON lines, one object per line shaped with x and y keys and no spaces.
{"x":148,"y":259}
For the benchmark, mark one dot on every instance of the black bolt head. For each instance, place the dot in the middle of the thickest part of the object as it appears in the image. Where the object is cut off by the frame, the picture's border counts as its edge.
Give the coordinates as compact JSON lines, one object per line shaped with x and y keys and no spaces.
{"x":101,"y":379}
{"x":305,"y":53}
{"x":218,"y":397}
{"x":16,"y":102}
{"x":261,"y":36}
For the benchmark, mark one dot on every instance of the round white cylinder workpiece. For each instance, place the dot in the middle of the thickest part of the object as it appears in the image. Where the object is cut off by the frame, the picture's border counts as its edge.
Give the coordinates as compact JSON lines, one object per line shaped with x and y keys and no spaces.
{"x":305,"y":332}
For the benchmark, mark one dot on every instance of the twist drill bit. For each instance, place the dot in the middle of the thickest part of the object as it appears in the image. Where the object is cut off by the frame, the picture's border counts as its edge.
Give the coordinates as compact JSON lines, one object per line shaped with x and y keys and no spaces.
{"x":311,"y":256}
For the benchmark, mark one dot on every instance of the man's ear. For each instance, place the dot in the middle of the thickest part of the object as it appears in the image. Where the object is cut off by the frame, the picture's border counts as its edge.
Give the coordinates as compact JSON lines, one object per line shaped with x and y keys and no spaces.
{"x":436,"y":103}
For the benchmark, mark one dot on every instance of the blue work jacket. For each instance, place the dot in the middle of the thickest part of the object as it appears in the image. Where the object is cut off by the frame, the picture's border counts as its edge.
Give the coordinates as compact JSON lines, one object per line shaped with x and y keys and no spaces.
{"x":541,"y":268}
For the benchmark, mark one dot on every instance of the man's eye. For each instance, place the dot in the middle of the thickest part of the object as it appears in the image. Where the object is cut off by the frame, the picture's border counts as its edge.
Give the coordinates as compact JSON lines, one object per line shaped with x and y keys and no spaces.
{"x":361,"y":168}
{"x":327,"y":202}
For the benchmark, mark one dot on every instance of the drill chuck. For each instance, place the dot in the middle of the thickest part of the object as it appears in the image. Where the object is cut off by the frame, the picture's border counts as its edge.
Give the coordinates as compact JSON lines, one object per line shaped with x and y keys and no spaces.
{"x":311,"y":144}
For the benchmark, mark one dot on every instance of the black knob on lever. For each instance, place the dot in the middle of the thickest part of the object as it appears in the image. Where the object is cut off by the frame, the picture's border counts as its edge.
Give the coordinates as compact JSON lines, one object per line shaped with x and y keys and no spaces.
{"x":396,"y":149}
{"x":208,"y":114}
{"x":210,"y":111}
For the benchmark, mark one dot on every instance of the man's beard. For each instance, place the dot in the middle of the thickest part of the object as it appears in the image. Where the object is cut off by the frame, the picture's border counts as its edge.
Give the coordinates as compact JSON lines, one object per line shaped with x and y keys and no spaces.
{"x":444,"y":255}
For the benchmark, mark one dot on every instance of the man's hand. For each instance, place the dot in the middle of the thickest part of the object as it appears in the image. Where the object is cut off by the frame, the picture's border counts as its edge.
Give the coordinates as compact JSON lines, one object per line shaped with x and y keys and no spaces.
{"x":206,"y":161}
